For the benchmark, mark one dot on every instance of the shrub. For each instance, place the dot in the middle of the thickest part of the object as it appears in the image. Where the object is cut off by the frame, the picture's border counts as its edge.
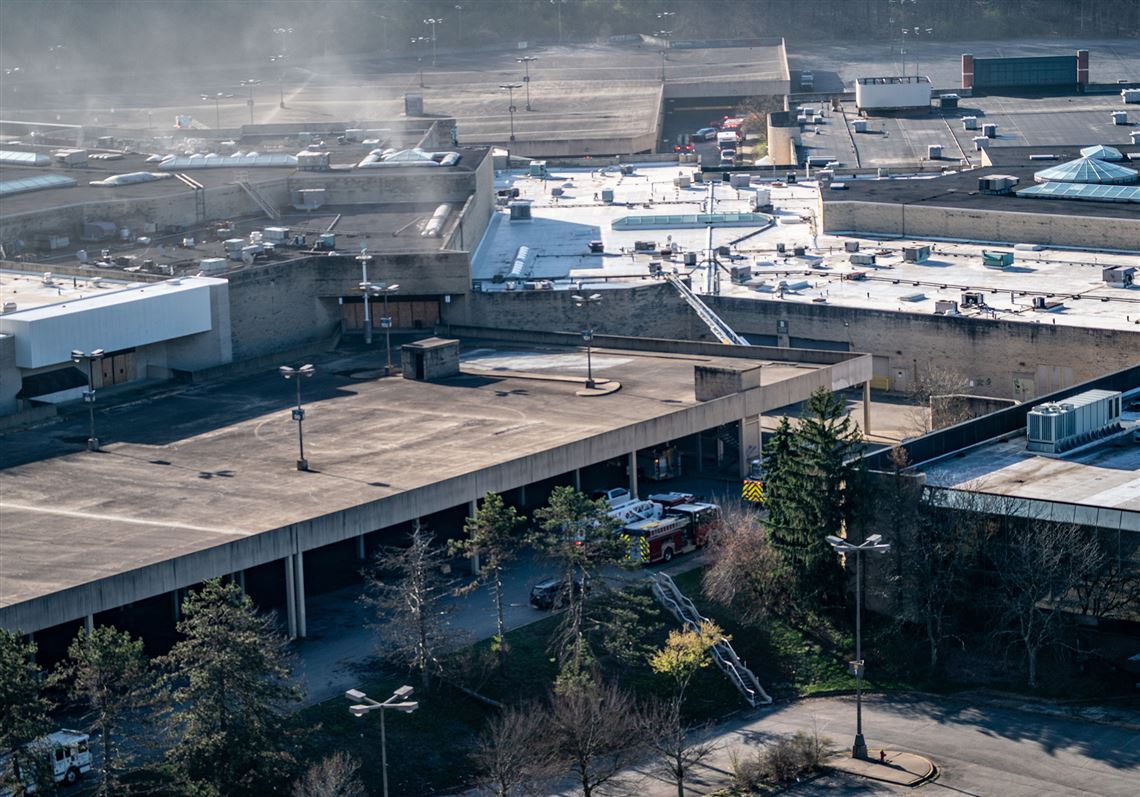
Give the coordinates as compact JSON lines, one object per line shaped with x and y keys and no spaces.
{"x":781,"y":762}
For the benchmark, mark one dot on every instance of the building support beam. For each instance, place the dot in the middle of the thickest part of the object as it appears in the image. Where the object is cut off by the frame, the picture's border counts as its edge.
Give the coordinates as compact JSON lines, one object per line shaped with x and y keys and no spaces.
{"x":290,"y":599}
{"x":472,"y":508}
{"x":751,"y":442}
{"x":866,"y":408}
{"x":578,"y":479}
{"x":522,"y":496}
{"x":633,"y":473}
{"x":89,"y":623}
{"x":299,"y":571}
{"x":360,"y":547}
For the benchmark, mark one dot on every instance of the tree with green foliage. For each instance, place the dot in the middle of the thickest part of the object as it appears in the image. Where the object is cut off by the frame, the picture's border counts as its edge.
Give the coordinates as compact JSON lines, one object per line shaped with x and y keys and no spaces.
{"x":813,"y":490}
{"x":24,"y":714}
{"x":230,"y":688}
{"x":405,"y":587}
{"x":580,"y":536}
{"x":685,"y":652}
{"x":108,"y":674}
{"x":492,"y":536}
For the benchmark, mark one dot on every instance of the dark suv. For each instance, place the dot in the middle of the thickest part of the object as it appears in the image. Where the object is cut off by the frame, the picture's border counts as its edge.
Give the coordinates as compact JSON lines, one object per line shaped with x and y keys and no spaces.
{"x":551,"y":593}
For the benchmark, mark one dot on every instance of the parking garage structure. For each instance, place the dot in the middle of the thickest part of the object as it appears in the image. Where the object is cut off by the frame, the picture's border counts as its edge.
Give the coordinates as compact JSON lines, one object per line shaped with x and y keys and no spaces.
{"x":201,"y":483}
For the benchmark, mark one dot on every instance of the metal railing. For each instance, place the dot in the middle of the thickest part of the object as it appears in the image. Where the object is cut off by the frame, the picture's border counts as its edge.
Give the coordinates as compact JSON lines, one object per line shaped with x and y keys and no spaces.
{"x":669,"y":596}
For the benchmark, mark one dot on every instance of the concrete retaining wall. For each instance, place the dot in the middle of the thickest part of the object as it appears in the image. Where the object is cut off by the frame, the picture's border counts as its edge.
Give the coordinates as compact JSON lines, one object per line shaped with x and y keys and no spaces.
{"x":977,"y":225}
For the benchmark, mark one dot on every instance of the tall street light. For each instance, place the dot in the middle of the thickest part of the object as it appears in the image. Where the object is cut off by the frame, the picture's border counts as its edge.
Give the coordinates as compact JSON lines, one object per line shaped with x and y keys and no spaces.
{"x":386,"y":320}
{"x":217,"y":98}
{"x":420,"y":57}
{"x":306,"y":370}
{"x":526,"y":61}
{"x":459,"y":8}
{"x":92,"y":357}
{"x":433,"y":21}
{"x":588,"y":333}
{"x":250,"y":83}
{"x":279,"y":59}
{"x":511,"y":108}
{"x":558,"y":5}
{"x":366,"y":288}
{"x":398,"y":702}
{"x":843,"y":547}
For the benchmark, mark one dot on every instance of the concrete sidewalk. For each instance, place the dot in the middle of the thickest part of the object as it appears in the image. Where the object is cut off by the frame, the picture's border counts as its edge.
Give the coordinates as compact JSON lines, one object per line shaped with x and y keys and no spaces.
{"x":902,"y":769}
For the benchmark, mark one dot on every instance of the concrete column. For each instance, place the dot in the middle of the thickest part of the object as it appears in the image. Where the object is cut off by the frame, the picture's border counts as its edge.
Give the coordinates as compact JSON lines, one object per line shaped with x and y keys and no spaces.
{"x":866,"y":408}
{"x":633,"y":473}
{"x":176,"y":604}
{"x":290,"y":599}
{"x":522,"y":495}
{"x":240,"y":576}
{"x":472,"y":508}
{"x":578,"y":479}
{"x":89,"y":623}
{"x":700,"y":452}
{"x":299,"y":571}
{"x":360,"y":547}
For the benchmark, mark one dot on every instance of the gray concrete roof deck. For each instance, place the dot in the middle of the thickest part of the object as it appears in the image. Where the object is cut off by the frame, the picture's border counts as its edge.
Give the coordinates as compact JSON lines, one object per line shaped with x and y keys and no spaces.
{"x":960,"y":190}
{"x":202,"y":482}
{"x":1105,"y":476}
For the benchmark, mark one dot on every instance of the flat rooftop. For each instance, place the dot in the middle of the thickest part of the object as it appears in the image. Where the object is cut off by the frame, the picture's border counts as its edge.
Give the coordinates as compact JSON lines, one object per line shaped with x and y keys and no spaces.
{"x":1105,"y":476}
{"x":901,"y":138}
{"x":559,"y":233}
{"x":209,"y":465}
{"x":599,"y":90}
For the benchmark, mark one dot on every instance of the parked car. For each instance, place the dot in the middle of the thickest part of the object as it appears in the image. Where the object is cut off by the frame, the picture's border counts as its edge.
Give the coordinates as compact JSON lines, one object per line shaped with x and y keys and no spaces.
{"x":552,"y":593}
{"x":682,"y":147}
{"x":727,"y":157}
{"x":705,"y":134}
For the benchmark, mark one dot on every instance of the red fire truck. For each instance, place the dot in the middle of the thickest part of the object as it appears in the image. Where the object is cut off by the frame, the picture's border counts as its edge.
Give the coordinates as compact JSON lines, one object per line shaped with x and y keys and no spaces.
{"x":684,"y":528}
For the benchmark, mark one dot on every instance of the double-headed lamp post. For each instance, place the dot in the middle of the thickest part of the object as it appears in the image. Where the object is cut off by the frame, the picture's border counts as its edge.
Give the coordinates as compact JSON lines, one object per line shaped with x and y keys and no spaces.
{"x":526,"y":61}
{"x":588,"y":333}
{"x":433,"y":21}
{"x":250,"y":83}
{"x":510,"y":87}
{"x":364,"y":704}
{"x":306,"y":370}
{"x":91,"y":357}
{"x":384,"y":290}
{"x":366,"y":288}
{"x":842,"y":546}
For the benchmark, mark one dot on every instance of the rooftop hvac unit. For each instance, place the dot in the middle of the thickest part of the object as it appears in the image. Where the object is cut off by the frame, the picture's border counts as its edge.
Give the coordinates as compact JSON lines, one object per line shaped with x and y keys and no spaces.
{"x":645,"y":246}
{"x":948,"y":101}
{"x":989,"y":130}
{"x":859,"y":125}
{"x":607,"y":195}
{"x":916,"y":254}
{"x":1119,"y":277}
{"x":597,"y":247}
{"x":1119,"y":118}
{"x":969,"y":123}
{"x":850,"y":246}
{"x":520,"y":211}
{"x":980,"y":143}
{"x":934,"y":152}
{"x":945,"y":307}
{"x":862,"y":259}
{"x":690,"y":258}
{"x":997,"y":183}
{"x":1056,"y":427}
{"x":1130,"y":95}
{"x":973,"y":299}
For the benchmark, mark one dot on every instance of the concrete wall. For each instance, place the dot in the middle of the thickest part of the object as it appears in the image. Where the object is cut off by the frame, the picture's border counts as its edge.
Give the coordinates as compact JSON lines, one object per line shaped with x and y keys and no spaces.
{"x":476,"y":213}
{"x":278,"y":306}
{"x":9,"y":375}
{"x":981,"y":225}
{"x":1006,"y":359}
{"x":417,"y":273}
{"x":388,"y":185}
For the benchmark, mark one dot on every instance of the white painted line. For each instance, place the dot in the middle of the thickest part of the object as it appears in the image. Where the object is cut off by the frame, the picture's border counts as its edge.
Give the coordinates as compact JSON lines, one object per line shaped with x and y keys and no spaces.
{"x":120,"y":519}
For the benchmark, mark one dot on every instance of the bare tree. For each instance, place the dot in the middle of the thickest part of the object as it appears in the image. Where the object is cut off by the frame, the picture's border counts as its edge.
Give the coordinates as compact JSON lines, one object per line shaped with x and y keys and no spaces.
{"x":673,"y":742}
{"x":937,"y":381}
{"x":1112,"y":589}
{"x":1039,"y":565}
{"x":332,"y":776}
{"x":406,"y":587}
{"x":510,"y":758}
{"x":745,"y":571}
{"x":592,"y":729}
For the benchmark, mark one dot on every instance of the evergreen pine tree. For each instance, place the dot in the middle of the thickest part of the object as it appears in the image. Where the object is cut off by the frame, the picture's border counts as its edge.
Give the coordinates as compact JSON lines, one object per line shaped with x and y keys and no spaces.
{"x":231,"y":687}
{"x":811,"y":491}
{"x":23,"y":714}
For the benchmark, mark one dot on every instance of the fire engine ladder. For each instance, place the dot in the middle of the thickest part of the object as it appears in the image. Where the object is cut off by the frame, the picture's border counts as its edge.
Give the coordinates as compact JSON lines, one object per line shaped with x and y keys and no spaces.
{"x":259,"y":200}
{"x":723,"y":332}
{"x":667,"y":594}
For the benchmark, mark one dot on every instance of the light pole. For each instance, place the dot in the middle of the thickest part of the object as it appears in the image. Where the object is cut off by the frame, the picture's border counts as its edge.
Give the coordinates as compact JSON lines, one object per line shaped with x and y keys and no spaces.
{"x":92,"y":357}
{"x":558,"y":5}
{"x":588,"y":333}
{"x":511,"y":108}
{"x":279,"y":59}
{"x":459,"y":8}
{"x":420,"y":57}
{"x":386,"y":321}
{"x":366,"y":288}
{"x":526,"y":61}
{"x":842,"y":546}
{"x":433,"y":21}
{"x":217,"y":98}
{"x":250,"y":83}
{"x":306,"y":370}
{"x":364,"y":704}
{"x":664,"y":53}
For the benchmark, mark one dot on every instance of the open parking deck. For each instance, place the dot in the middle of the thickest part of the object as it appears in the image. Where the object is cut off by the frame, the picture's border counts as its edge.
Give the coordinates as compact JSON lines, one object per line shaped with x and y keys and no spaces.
{"x":202,"y":482}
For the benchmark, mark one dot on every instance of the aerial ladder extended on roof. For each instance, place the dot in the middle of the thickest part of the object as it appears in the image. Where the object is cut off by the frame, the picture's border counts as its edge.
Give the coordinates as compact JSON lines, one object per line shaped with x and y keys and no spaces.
{"x":259,"y":200}
{"x":723,"y":332}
